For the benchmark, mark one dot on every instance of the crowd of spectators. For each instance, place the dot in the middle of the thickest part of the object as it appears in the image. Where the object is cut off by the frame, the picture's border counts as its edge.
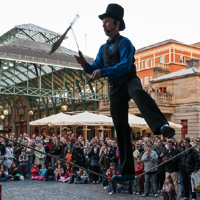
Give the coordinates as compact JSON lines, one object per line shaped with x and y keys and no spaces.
{"x":102,"y":156}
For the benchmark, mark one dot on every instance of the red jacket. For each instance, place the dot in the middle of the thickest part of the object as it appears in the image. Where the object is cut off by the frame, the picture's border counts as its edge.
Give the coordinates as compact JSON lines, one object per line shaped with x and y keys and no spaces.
{"x":109,"y":173}
{"x":68,"y":158}
{"x":34,"y":171}
{"x":139,"y":169}
{"x":67,"y":173}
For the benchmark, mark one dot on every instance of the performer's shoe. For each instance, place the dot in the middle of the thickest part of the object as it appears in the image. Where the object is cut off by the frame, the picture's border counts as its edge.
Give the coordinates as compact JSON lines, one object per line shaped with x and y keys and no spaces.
{"x":123,"y":178}
{"x":167,"y":131}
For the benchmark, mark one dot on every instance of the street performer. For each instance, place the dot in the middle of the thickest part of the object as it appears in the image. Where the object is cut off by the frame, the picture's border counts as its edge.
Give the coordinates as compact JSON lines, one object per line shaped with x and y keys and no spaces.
{"x":115,"y":60}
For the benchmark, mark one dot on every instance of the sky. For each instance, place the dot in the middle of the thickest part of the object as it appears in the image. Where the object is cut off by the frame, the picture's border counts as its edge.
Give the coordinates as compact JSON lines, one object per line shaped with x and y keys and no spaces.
{"x":147,"y":21}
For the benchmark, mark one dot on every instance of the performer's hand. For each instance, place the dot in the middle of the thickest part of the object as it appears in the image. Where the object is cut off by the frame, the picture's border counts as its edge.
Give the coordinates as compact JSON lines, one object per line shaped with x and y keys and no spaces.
{"x":80,"y":59}
{"x":96,"y":74}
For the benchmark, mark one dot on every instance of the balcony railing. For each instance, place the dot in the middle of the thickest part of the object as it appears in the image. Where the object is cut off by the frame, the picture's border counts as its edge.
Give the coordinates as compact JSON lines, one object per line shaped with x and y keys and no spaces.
{"x":163,"y":65}
{"x":164,"y":97}
{"x":159,"y":97}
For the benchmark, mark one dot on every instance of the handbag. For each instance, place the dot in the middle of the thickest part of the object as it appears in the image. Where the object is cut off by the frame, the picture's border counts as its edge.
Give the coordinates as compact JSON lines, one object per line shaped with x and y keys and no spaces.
{"x":195,"y":181}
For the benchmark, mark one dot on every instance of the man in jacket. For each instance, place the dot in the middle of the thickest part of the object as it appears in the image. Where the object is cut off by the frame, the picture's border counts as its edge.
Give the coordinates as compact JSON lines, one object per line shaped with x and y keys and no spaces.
{"x":172,"y":167}
{"x":104,"y":164}
{"x":64,"y":149}
{"x":160,"y":150}
{"x":189,"y":163}
{"x":78,"y":156}
{"x":150,"y":159}
{"x":115,"y":60}
{"x":112,"y":154}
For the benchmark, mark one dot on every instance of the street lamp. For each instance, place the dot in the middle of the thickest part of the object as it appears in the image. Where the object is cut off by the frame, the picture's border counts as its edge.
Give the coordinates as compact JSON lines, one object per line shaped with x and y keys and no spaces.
{"x":2,"y":117}
{"x":30,"y":112}
{"x":1,"y":107}
{"x":64,"y":107}
{"x":5,"y":111}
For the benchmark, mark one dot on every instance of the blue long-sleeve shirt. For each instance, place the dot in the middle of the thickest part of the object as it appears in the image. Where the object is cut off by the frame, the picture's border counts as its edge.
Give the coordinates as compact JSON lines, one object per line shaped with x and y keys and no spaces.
{"x":126,"y":52}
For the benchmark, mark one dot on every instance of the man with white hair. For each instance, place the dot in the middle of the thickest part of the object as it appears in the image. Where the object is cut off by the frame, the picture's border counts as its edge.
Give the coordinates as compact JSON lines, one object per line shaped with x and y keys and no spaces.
{"x":150,"y":159}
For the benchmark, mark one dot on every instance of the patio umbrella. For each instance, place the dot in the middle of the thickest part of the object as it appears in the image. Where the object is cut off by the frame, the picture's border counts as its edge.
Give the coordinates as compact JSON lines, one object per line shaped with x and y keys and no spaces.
{"x":87,"y":118}
{"x":53,"y":120}
{"x":135,"y":121}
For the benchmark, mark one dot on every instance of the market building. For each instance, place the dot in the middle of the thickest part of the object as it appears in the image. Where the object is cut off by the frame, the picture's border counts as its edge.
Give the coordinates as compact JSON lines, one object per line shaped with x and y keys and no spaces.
{"x":35,"y":84}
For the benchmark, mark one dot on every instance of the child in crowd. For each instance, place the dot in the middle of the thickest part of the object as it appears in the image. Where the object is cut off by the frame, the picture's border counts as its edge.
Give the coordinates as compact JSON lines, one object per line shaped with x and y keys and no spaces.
{"x":73,"y":174}
{"x":42,"y":172}
{"x":139,"y":169}
{"x":81,"y":176}
{"x":168,"y":190}
{"x":59,"y":171}
{"x":68,"y":157}
{"x":49,"y":175}
{"x":23,"y":158}
{"x":61,"y":164}
{"x":110,"y":173}
{"x":34,"y":171}
{"x":4,"y":174}
{"x":67,"y":175}
{"x":14,"y":171}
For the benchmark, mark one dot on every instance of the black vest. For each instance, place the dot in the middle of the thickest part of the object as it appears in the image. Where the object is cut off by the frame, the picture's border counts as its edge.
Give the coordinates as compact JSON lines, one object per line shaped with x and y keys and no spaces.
{"x":112,"y":57}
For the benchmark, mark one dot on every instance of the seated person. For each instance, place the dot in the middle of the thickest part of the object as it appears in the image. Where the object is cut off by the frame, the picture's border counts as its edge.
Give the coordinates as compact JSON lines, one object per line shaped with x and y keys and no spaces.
{"x":14,"y":171}
{"x":73,"y":174}
{"x":34,"y":171}
{"x":4,"y":173}
{"x":59,"y":171}
{"x":42,"y":172}
{"x":67,"y":175}
{"x":81,"y":176}
{"x":49,"y":175}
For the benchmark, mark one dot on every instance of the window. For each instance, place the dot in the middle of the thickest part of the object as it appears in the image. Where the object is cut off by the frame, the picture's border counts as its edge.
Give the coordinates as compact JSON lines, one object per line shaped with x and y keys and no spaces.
{"x":141,"y":80}
{"x":151,"y":63}
{"x":136,"y":66}
{"x":146,"y":80}
{"x":162,"y":59}
{"x":182,"y":59}
{"x":146,"y":64}
{"x":151,"y":78}
{"x":141,"y":65}
{"x":184,"y":129}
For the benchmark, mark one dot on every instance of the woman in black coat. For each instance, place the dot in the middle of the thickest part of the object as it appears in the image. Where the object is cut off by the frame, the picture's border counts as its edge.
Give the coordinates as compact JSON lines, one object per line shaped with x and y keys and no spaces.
{"x":94,"y":158}
{"x":78,"y":155}
{"x":56,"y":151}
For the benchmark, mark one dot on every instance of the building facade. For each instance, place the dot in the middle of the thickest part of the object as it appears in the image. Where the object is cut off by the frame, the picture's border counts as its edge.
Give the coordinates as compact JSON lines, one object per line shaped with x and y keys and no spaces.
{"x":171,"y":81}
{"x":169,"y":55}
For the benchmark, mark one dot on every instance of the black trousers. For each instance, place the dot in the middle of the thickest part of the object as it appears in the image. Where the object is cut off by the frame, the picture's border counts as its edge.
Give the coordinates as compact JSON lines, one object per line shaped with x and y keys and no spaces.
{"x":23,"y":170}
{"x":94,"y":176}
{"x":121,"y":91}
{"x":187,"y":185}
{"x":160,"y":181}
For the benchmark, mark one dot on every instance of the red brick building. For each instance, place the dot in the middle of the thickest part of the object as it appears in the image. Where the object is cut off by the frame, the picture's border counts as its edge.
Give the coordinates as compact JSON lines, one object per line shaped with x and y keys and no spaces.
{"x":169,"y":55}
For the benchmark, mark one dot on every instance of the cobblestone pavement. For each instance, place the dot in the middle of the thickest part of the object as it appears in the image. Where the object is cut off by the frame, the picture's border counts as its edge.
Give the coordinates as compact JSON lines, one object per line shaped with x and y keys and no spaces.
{"x":51,"y":190}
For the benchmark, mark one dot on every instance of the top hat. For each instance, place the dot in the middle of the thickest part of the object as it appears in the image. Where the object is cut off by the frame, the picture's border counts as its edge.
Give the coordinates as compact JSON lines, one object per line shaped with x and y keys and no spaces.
{"x":116,"y":12}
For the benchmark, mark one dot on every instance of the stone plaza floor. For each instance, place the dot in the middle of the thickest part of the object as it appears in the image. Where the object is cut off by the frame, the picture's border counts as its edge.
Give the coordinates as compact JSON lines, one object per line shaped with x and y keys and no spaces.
{"x":51,"y":190}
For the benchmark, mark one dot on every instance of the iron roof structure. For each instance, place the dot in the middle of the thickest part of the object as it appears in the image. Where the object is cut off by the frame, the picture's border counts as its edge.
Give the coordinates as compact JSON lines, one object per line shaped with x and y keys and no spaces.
{"x":27,"y":69}
{"x":30,"y":32}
